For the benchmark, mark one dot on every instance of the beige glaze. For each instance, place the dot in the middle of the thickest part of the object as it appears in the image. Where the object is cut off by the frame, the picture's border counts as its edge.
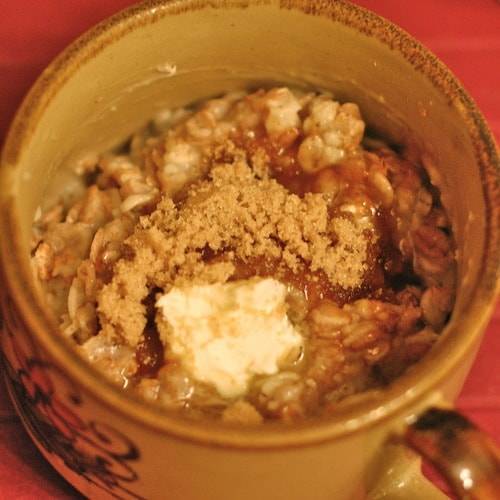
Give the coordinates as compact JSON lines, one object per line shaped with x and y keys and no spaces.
{"x":108,"y":84}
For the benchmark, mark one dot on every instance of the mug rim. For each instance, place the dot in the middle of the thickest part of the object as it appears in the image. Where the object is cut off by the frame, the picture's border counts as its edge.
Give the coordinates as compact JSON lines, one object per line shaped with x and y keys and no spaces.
{"x":409,"y":389}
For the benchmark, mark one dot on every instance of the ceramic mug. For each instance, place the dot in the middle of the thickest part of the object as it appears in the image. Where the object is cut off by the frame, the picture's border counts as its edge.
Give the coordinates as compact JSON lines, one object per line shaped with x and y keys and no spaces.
{"x":168,"y":53}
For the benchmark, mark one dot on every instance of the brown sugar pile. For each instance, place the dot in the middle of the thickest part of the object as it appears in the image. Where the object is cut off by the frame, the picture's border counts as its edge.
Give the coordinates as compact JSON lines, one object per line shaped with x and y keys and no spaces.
{"x":237,"y":215}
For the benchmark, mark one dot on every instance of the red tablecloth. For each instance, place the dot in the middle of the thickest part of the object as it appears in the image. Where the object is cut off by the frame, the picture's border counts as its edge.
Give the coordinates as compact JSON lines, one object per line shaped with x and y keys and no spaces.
{"x":464,"y":33}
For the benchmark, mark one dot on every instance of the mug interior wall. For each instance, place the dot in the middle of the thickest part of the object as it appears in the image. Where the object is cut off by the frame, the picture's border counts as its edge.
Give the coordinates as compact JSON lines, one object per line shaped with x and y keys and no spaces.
{"x":114,"y":90}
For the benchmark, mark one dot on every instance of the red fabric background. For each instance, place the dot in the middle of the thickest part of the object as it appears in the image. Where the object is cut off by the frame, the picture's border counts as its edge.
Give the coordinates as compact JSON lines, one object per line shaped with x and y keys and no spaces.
{"x":465,"y":34}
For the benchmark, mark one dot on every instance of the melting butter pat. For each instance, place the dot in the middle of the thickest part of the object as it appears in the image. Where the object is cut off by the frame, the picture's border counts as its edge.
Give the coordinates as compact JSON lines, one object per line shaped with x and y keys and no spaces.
{"x":224,"y":334}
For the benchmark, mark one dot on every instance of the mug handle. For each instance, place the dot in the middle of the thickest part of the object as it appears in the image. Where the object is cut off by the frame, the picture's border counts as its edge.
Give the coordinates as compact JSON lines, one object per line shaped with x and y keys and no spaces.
{"x":466,"y":457}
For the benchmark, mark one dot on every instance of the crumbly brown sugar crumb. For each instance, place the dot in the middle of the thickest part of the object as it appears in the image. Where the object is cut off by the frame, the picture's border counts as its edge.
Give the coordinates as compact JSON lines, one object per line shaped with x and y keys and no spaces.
{"x":234,"y":217}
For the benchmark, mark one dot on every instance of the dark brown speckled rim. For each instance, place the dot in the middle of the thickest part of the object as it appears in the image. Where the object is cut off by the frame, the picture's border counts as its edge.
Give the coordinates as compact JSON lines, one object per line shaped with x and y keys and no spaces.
{"x":408,"y":390}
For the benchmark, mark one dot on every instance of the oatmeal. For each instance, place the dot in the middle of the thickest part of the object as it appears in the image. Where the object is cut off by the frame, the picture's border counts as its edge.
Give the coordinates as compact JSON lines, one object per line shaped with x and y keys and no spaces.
{"x":256,"y":258}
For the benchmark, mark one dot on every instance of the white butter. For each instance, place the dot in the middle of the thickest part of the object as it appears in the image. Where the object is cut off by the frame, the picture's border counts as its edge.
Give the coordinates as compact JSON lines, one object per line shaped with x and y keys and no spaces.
{"x":224,"y":334}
